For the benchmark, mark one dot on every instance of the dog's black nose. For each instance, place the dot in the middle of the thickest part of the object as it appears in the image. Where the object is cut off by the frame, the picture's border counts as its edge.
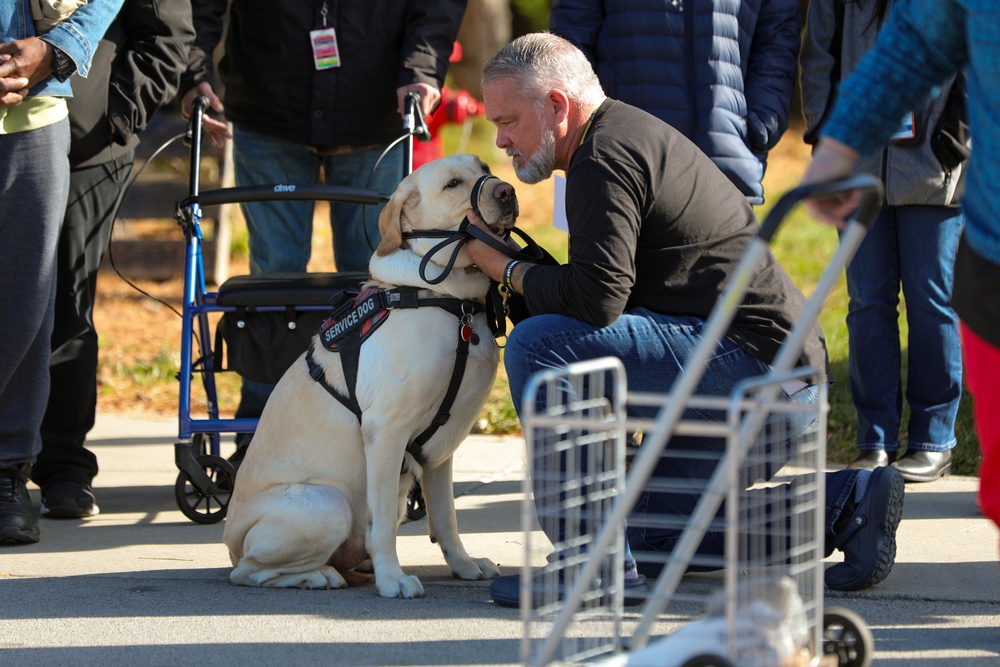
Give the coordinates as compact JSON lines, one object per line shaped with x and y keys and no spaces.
{"x":503,"y":191}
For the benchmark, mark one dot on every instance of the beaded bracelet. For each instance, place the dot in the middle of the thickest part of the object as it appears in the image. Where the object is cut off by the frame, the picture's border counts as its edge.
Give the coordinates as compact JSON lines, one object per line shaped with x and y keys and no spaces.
{"x":507,"y":274}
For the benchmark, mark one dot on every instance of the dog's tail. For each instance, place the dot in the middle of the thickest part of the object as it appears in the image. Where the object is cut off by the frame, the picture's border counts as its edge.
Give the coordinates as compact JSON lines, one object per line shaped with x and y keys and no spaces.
{"x":355,"y":578}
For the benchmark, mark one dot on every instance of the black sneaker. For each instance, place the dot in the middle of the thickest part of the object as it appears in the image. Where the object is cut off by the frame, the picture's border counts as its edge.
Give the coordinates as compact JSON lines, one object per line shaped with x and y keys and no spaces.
{"x":68,"y":499}
{"x":868,"y":537}
{"x":18,"y":520}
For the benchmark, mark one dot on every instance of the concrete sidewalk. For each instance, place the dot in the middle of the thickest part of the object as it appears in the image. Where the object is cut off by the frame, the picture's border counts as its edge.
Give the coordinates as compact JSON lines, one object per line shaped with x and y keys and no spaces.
{"x":142,"y":585}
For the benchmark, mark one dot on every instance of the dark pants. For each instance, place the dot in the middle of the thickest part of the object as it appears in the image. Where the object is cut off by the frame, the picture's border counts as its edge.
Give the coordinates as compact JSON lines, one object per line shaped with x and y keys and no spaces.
{"x":34,"y":178}
{"x":72,"y":403}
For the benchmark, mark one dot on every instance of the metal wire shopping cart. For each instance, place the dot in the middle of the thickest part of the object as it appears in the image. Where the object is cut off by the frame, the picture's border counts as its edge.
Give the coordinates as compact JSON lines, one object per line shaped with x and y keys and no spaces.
{"x":765,"y":606}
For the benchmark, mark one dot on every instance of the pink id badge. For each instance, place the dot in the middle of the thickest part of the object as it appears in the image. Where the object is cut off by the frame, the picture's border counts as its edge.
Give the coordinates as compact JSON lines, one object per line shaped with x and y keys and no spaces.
{"x":324,"y":47}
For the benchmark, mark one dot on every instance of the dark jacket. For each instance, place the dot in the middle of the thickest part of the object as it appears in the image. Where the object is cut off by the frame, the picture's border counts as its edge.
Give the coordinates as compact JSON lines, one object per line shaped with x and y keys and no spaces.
{"x":136,"y":70}
{"x":720,"y":71}
{"x":927,"y":171}
{"x":270,"y":81}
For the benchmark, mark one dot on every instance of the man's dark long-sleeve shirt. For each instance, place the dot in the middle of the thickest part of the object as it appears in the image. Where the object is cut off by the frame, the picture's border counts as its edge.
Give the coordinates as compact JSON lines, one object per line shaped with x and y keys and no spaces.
{"x":654,"y":224}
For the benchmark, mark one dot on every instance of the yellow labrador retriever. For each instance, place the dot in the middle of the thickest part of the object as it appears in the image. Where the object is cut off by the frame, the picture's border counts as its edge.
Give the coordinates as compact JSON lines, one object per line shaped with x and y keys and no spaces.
{"x":320,"y":489}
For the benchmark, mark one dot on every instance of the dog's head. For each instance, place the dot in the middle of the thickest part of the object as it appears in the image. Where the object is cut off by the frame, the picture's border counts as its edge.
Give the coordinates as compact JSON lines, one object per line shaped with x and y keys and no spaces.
{"x":437,"y":195}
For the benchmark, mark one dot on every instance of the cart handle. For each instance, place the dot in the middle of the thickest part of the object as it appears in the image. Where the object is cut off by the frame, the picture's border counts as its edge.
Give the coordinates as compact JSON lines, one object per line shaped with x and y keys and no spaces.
{"x":868,"y":186}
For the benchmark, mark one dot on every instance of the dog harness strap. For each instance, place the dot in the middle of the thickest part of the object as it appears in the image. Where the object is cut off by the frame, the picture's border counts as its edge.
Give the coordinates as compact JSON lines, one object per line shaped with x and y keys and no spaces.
{"x":416,"y":447}
{"x":408,"y":297}
{"x":357,"y":313}
{"x":349,"y":349}
{"x":350,"y":355}
{"x":402,"y":297}
{"x":317,"y":374}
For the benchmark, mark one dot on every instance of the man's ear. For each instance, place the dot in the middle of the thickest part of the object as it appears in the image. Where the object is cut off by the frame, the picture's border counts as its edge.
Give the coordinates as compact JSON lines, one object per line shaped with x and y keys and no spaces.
{"x":559,"y":103}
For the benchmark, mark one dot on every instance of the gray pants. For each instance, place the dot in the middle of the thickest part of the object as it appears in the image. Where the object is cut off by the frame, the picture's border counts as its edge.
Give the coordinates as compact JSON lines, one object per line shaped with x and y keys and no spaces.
{"x":34,"y":183}
{"x":90,"y":212}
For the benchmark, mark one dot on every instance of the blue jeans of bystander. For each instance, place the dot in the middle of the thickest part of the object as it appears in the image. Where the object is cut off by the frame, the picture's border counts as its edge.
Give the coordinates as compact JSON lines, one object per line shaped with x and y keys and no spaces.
{"x":912,"y":247}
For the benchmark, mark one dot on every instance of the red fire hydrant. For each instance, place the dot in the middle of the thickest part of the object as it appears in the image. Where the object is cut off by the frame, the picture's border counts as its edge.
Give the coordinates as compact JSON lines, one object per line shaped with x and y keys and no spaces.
{"x":457,"y":107}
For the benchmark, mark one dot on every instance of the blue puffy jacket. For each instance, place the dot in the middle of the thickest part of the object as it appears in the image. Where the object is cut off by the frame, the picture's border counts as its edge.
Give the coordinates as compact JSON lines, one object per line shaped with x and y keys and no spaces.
{"x":720,"y":71}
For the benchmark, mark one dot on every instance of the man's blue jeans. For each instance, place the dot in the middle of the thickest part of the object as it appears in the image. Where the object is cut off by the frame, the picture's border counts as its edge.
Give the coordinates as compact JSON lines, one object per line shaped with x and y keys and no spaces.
{"x":281,"y":231}
{"x":653,"y":349}
{"x":912,"y":247}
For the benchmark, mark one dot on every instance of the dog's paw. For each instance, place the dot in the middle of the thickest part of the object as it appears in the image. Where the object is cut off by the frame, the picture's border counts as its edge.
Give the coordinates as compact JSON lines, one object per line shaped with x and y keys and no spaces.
{"x":476,"y":568}
{"x":405,"y":586}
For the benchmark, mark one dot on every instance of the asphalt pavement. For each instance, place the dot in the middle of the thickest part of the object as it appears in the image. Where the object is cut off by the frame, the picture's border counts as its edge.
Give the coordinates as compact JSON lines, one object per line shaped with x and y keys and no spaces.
{"x":140,"y":584}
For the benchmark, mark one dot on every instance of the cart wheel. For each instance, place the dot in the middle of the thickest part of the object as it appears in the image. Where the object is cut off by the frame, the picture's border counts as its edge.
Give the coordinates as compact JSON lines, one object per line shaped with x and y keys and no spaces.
{"x":206,"y":506}
{"x":707,"y":660}
{"x":416,"y":508}
{"x":847,"y":636}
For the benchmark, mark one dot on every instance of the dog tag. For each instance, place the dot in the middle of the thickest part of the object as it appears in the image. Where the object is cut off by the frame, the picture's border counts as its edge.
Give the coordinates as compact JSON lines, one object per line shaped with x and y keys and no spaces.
{"x":468,"y":335}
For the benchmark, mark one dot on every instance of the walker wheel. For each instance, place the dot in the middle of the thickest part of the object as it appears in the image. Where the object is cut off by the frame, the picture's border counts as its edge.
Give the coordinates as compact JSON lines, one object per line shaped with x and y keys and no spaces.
{"x":206,"y":505}
{"x":416,"y":507}
{"x":847,"y":636}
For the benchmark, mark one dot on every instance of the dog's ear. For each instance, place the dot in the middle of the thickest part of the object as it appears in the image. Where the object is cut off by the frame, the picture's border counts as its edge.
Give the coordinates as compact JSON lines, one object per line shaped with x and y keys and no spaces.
{"x":390,"y":220}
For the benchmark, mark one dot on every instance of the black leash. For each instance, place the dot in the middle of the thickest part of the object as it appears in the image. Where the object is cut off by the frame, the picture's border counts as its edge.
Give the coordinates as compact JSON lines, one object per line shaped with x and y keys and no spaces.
{"x":531,"y":252}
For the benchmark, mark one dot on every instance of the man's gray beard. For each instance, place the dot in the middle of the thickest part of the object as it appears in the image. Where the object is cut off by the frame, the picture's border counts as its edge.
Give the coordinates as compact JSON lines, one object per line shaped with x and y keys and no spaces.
{"x":540,"y":165}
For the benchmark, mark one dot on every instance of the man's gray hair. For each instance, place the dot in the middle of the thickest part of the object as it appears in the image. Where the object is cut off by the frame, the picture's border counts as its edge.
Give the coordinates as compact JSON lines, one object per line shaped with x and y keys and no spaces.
{"x":540,"y":62}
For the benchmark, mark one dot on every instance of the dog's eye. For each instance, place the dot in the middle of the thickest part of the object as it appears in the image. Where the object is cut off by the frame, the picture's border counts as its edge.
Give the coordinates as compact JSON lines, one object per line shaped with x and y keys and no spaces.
{"x":453,"y":183}
{"x":486,"y":169}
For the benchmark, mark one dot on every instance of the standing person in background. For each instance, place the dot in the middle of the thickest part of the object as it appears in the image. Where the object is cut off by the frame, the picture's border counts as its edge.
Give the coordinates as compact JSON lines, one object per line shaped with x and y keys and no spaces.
{"x":911,"y":245}
{"x":34,"y":180}
{"x":296,"y":111}
{"x":136,"y":70}
{"x":720,"y":72}
{"x":922,"y":44}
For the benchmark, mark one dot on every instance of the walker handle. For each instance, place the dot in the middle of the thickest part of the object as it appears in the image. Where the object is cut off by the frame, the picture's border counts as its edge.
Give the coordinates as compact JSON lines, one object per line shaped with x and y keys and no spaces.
{"x":413,"y":118}
{"x":193,"y":139}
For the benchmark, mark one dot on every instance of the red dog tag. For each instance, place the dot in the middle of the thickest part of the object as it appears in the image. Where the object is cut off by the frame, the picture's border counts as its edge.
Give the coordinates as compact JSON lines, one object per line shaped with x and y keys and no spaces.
{"x":468,"y":335}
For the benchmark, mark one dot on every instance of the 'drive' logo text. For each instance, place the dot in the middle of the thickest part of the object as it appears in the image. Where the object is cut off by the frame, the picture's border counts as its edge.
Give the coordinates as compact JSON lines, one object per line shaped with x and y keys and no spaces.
{"x":284,"y":188}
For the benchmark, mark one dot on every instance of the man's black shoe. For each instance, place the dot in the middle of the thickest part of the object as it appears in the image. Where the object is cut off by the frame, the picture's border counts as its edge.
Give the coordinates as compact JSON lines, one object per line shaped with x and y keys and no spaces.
{"x":870,"y":459}
{"x":506,"y":591}
{"x":68,"y":499}
{"x":918,"y":465}
{"x":18,"y":519}
{"x":868,"y":539}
